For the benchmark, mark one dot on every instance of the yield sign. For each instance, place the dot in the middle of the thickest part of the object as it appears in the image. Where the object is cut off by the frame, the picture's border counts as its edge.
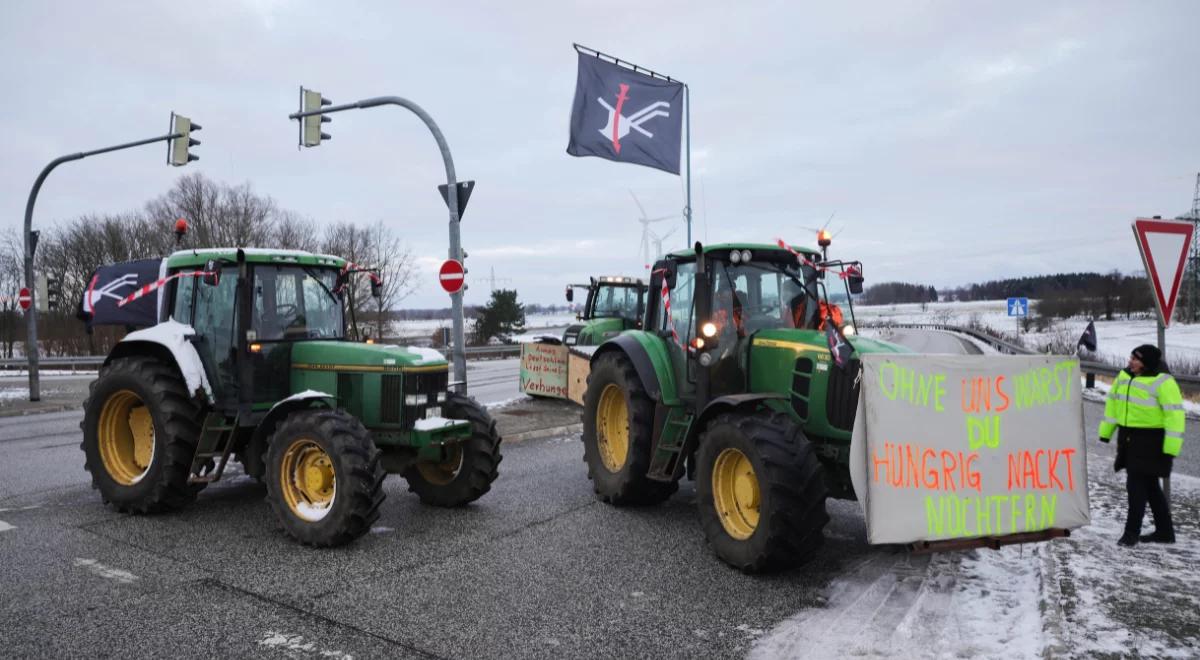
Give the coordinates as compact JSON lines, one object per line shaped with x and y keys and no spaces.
{"x":450,"y":275}
{"x":1164,"y":245}
{"x":24,"y":298}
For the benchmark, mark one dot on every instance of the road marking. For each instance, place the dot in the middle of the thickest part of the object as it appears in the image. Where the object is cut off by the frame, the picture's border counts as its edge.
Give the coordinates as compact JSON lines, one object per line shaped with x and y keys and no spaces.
{"x":4,"y":527}
{"x":22,"y":508}
{"x":107,"y":572}
{"x":296,"y":643}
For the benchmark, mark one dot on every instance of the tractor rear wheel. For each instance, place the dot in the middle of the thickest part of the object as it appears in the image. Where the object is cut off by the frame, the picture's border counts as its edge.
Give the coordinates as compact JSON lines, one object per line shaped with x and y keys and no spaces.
{"x":140,"y":430}
{"x":760,"y":491}
{"x":323,"y":475}
{"x":470,"y":466}
{"x":618,"y":434}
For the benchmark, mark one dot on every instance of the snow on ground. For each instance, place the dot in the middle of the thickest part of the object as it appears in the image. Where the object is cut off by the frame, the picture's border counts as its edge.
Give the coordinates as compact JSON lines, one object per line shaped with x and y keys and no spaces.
{"x":427,"y":326}
{"x":1079,"y":597}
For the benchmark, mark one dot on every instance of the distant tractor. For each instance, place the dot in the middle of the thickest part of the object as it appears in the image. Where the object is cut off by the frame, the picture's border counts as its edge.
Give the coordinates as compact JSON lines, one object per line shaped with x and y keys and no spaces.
{"x":249,"y":359}
{"x":737,"y":386}
{"x":613,"y":305}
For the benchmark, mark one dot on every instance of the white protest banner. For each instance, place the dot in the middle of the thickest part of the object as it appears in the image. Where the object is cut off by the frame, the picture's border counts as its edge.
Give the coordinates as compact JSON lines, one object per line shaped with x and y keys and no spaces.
{"x":960,"y":447}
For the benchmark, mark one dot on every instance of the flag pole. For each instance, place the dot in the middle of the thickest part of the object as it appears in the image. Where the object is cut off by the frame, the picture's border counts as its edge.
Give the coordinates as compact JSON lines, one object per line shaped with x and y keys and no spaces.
{"x":687,"y":210}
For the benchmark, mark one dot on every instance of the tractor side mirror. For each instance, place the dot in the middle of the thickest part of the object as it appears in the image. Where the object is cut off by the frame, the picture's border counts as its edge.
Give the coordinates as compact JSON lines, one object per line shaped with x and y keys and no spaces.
{"x":212,"y":273}
{"x":570,"y":294}
{"x":856,"y":284}
{"x":376,"y":287}
{"x":671,"y":274}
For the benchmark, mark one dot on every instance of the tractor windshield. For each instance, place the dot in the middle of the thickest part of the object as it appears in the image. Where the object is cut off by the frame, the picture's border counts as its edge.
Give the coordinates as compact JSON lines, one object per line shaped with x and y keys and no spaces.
{"x":759,"y":296}
{"x":615,"y":301}
{"x":296,"y":302}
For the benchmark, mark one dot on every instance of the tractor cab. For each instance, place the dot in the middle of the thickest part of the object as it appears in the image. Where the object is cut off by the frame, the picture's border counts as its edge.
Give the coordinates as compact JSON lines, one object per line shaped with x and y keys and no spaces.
{"x":614,"y":304}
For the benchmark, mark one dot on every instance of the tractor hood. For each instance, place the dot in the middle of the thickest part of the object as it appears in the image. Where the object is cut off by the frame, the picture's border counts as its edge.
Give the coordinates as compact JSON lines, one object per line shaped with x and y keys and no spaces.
{"x":366,"y":357}
{"x":814,"y":340}
{"x":868,"y":345}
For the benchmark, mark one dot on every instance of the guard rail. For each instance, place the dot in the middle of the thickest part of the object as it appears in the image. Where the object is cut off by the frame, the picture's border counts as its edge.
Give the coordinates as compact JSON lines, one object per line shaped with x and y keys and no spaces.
{"x":1186,"y":382}
{"x":93,"y":362}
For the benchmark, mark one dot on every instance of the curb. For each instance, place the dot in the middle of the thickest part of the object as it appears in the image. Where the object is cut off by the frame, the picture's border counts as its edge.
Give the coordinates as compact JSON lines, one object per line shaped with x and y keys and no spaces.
{"x":39,"y":411}
{"x":550,"y":432}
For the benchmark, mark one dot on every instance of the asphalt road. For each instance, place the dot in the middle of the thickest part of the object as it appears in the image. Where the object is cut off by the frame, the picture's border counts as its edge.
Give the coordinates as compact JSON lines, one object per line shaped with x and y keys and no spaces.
{"x":537,"y":568}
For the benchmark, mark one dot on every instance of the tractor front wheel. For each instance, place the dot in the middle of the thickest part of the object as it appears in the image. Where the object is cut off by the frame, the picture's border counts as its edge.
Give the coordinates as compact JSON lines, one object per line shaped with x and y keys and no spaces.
{"x":140,"y":430}
{"x":324,"y":479}
{"x":618,"y":420}
{"x":470,"y":466}
{"x":760,"y":492}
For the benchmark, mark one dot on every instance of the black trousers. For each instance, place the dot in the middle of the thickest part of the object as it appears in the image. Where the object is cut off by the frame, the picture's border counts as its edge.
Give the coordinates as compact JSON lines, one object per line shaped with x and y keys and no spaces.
{"x":1145,"y":488}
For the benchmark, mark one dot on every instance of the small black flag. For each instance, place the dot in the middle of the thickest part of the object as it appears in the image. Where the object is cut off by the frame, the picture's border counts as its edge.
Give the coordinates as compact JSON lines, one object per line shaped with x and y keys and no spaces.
{"x":839,"y":348}
{"x":110,"y":284}
{"x":626,"y":116}
{"x":1088,"y":339}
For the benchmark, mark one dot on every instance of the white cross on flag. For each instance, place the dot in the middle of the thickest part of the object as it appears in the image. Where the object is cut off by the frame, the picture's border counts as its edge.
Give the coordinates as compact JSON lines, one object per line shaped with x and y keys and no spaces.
{"x":1164,"y":245}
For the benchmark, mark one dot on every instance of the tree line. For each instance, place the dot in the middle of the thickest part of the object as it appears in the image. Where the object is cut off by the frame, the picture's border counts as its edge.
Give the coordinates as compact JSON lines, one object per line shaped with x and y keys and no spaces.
{"x":218,"y":215}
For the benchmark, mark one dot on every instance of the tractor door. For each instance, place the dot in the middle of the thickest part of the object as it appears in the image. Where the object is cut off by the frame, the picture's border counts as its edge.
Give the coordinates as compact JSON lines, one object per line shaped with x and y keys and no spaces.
{"x":213,"y":315}
{"x":682,"y":320}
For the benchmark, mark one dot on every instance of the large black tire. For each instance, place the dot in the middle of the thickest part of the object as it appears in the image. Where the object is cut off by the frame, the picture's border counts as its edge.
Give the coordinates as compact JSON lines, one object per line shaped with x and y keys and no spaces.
{"x":617,"y":452}
{"x":125,"y":390}
{"x":472,"y":466}
{"x":788,"y":512}
{"x":324,"y":479}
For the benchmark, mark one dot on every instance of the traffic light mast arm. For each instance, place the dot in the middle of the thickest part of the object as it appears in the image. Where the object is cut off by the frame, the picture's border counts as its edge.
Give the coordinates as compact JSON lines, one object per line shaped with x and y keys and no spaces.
{"x":458,"y":354}
{"x":31,"y":318}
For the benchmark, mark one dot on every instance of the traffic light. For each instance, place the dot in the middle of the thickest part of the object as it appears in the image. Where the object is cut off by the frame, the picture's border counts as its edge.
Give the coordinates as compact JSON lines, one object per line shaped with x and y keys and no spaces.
{"x":177,"y":149}
{"x":310,"y":126}
{"x":53,"y":292}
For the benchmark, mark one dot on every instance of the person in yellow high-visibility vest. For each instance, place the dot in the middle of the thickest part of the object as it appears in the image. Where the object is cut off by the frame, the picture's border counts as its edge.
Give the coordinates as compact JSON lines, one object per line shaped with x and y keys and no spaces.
{"x":1145,"y":408}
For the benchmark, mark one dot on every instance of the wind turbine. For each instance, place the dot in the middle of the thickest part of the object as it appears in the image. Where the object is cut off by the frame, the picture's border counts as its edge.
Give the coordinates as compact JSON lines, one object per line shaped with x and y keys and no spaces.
{"x":658,"y":241}
{"x":645,"y":247}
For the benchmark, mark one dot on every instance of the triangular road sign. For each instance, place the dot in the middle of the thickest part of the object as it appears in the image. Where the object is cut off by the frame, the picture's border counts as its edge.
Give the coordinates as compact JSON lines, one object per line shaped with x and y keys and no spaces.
{"x":464,"y":194}
{"x":1164,"y":247}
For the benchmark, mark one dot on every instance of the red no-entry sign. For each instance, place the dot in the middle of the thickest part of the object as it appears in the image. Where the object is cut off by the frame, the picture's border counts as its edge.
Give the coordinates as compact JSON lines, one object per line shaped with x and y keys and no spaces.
{"x":451,"y":276}
{"x":24,"y":298}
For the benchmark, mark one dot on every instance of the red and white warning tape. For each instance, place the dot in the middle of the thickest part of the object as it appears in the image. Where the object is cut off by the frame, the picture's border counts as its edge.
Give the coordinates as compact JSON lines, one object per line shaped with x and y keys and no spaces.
{"x":807,"y":262}
{"x":353,"y":266}
{"x":666,"y":303}
{"x":155,"y":286}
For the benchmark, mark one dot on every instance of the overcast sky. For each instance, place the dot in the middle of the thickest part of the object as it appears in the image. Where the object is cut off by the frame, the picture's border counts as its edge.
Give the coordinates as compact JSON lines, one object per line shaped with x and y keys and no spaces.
{"x":954,"y":141}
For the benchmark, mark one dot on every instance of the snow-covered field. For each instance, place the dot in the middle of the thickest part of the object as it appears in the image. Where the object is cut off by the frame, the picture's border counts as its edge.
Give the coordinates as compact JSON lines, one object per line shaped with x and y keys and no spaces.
{"x":1114,"y":339}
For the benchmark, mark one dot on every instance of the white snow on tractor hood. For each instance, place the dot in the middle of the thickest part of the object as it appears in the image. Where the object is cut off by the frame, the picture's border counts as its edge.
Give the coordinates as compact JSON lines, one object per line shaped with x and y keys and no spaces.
{"x":174,"y":336}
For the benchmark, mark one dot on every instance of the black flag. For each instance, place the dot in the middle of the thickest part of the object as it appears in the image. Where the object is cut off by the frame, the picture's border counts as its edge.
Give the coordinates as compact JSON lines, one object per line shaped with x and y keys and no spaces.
{"x":110,"y":284}
{"x":839,"y":348}
{"x":1088,"y":339}
{"x":626,"y":116}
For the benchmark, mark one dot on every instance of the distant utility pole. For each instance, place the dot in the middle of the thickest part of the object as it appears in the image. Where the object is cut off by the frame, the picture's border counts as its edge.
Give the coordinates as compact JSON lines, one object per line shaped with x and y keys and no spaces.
{"x":493,"y":279}
{"x":177,"y":154}
{"x":1194,"y":261}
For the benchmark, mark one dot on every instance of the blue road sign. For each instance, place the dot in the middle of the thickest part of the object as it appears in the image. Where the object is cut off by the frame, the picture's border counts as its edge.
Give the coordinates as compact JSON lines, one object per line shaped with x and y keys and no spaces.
{"x":1018,"y":306}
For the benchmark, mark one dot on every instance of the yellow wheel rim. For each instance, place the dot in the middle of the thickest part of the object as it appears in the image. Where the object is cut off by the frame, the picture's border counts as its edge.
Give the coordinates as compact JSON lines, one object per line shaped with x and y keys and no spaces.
{"x":612,"y":428}
{"x":443,"y":473}
{"x":735,"y":493}
{"x":125,"y":436}
{"x":307,"y":480}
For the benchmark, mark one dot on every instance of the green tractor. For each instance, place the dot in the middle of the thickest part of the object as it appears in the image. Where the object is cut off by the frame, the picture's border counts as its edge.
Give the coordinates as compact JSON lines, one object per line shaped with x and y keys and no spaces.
{"x":733,"y":382}
{"x":249,"y":359}
{"x":614,"y":304}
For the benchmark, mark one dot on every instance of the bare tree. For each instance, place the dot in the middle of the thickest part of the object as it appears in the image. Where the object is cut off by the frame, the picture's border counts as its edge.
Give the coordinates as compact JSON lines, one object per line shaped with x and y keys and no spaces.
{"x":374,"y":246}
{"x":12,"y":276}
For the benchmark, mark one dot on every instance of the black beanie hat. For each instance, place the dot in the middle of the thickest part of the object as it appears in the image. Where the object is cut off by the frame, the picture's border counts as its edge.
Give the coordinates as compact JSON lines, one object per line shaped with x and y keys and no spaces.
{"x":1149,"y":355}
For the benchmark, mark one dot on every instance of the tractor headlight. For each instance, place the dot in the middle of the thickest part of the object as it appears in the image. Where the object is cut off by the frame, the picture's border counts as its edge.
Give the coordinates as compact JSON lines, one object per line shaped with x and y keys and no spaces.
{"x":746,"y":256}
{"x":432,"y":412}
{"x":441,"y":397}
{"x":705,"y":359}
{"x":709,"y":329}
{"x":415,"y":399}
{"x":735,"y":256}
{"x":848,"y":330}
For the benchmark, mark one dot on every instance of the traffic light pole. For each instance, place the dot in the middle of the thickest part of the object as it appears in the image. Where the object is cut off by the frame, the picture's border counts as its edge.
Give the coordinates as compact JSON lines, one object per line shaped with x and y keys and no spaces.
{"x":31,"y":341}
{"x":458,"y":354}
